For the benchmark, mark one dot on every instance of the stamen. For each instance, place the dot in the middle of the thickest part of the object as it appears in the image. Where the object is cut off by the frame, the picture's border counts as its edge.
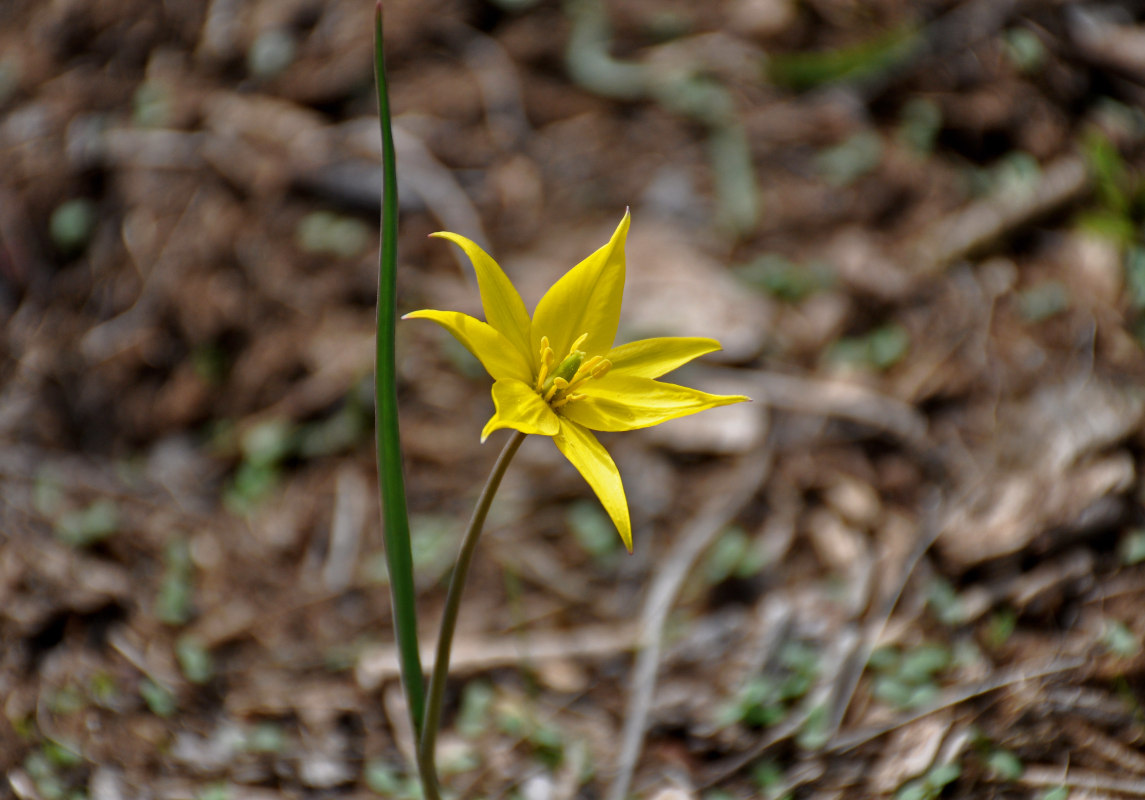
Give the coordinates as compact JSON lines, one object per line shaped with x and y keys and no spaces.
{"x":568,"y":398}
{"x":559,"y":384}
{"x":555,"y":384}
{"x":589,"y":365}
{"x":548,"y":358}
{"x":585,"y":372}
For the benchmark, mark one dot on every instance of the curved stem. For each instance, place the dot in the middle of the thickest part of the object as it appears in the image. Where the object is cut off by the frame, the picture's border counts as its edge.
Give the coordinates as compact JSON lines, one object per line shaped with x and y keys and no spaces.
{"x":436,"y":694}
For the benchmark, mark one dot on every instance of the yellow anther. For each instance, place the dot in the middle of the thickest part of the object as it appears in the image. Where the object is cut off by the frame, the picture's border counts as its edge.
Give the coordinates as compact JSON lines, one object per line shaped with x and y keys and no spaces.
{"x":559,"y":384}
{"x":587,"y":367}
{"x":593,"y":368}
{"x":548,"y":358}
{"x":568,"y":398}
{"x":546,"y":365}
{"x":576,"y":345}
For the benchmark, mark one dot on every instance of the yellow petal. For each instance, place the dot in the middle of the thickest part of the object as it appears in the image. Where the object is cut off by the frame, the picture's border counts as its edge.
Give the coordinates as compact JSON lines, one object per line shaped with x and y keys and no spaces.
{"x":492,"y":349}
{"x":504,"y":309}
{"x":651,"y":358}
{"x":593,"y":462}
{"x":585,"y":300}
{"x":623,"y":403}
{"x":519,"y":407}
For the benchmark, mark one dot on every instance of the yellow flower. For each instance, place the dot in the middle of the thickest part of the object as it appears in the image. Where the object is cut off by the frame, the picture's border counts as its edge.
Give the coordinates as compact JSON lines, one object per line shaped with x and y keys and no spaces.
{"x":558,"y":374}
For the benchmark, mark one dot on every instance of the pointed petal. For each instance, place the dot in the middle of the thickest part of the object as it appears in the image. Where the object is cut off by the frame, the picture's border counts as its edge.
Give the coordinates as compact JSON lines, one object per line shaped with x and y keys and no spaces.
{"x":522,"y":409}
{"x":623,"y":403}
{"x":492,"y":349}
{"x":593,"y":462}
{"x":585,"y":300}
{"x":651,"y":358}
{"x":504,"y":309}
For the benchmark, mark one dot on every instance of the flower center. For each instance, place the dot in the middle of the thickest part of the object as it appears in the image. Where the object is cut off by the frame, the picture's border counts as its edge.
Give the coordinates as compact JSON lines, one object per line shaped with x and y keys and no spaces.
{"x":556,"y":382}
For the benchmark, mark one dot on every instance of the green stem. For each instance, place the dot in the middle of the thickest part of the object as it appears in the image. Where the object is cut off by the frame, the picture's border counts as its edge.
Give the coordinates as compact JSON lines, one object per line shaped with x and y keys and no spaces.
{"x":453,"y":600}
{"x":391,"y":486}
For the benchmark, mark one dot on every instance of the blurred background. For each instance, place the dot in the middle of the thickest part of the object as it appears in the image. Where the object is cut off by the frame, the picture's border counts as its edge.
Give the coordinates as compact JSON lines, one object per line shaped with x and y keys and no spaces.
{"x":911,"y":568}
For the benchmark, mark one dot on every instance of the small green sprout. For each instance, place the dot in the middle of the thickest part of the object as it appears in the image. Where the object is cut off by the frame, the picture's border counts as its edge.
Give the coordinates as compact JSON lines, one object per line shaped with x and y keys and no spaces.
{"x":47,"y":493}
{"x":920,"y":122}
{"x":457,"y":757}
{"x":593,"y":531}
{"x":813,"y":733}
{"x":476,"y":701}
{"x":1132,"y":547}
{"x":1001,"y":627}
{"x":1025,"y":50}
{"x":174,"y":605}
{"x":880,"y":349}
{"x":62,"y":755}
{"x":271,"y":53}
{"x":1043,"y":301}
{"x":784,"y":279}
{"x":91,"y":525}
{"x":265,"y":737}
{"x":103,"y":690}
{"x":264,"y":447}
{"x":151,"y":106}
{"x":1004,"y":765}
{"x":765,"y":700}
{"x":1135,"y":277}
{"x":66,"y":700}
{"x":211,"y":364}
{"x":215,"y":791}
{"x":548,"y":745}
{"x":851,"y":159}
{"x":72,"y":225}
{"x":805,"y":70}
{"x":326,"y":233}
{"x":195,"y":661}
{"x":907,"y":680}
{"x":735,"y":555}
{"x":930,"y":785}
{"x":1119,"y":641}
{"x":158,"y":698}
{"x":388,"y":782}
{"x":45,"y":770}
{"x":944,"y":603}
{"x":768,"y":778}
{"x":1017,"y":173}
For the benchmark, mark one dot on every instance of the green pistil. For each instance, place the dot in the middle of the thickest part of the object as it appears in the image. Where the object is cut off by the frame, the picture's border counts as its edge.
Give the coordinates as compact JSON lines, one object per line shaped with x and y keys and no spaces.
{"x":565,"y":370}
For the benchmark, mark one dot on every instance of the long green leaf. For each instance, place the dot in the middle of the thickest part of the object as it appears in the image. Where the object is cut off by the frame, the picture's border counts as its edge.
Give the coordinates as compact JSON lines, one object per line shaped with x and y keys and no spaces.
{"x":394,"y":516}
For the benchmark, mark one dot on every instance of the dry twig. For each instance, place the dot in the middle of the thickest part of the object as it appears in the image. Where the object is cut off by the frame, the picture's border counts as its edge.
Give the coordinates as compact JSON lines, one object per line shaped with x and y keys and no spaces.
{"x":701,"y":531}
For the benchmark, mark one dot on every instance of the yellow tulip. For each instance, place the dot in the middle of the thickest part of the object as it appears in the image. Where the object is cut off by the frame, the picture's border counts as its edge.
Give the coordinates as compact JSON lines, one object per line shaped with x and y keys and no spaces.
{"x":558,"y":373}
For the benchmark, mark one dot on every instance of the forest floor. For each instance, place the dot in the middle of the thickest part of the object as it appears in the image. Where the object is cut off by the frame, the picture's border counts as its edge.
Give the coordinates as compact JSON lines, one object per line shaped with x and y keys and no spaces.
{"x":913,"y":567}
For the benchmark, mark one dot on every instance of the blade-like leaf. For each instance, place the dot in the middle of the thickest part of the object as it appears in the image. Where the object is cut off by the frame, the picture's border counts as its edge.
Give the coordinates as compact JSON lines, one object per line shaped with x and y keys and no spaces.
{"x":392,"y":486}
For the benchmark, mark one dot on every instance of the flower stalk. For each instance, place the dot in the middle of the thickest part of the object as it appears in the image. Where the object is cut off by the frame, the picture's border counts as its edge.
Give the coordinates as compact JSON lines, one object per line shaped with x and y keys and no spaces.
{"x":440,"y":673}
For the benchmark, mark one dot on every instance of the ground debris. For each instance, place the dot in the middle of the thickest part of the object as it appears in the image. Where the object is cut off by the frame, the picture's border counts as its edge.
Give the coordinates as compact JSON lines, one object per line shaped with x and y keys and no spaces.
{"x":912,"y":566}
